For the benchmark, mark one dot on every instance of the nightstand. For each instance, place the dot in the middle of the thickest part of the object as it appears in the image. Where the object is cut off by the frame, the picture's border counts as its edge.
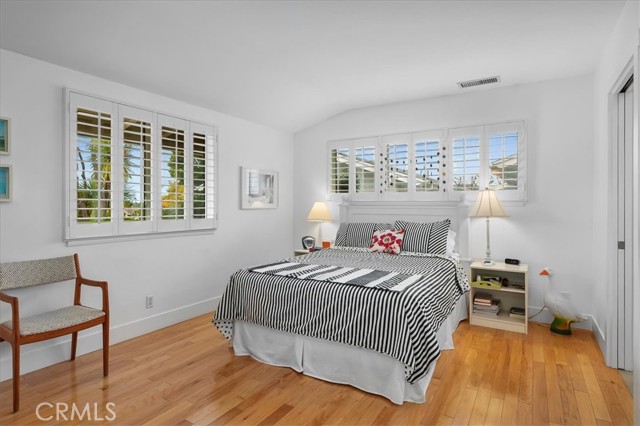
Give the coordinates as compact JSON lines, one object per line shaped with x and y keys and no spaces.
{"x":514,"y":294}
{"x":300,"y":252}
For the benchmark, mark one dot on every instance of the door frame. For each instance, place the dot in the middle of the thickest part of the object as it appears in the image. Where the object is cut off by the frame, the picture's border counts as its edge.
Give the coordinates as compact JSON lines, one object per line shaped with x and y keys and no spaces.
{"x":611,"y":341}
{"x":636,"y":237}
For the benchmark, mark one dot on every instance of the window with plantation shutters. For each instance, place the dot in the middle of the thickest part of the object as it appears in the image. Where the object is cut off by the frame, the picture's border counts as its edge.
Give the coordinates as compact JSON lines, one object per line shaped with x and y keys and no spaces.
{"x":396,"y":166}
{"x":339,"y":165}
{"x":172,"y":156}
{"x":134,"y":171}
{"x":136,"y":195}
{"x":352,"y":168}
{"x":439,"y":165}
{"x":490,"y":156}
{"x":503,"y":160}
{"x":203,"y":176}
{"x":427,"y":164}
{"x":465,"y":147}
{"x":93,"y":148}
{"x":365,"y":179}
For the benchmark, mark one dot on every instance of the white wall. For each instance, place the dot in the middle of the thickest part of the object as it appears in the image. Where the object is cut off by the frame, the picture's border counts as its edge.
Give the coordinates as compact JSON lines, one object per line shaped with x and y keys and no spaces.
{"x":553,"y":229}
{"x":186,"y":274}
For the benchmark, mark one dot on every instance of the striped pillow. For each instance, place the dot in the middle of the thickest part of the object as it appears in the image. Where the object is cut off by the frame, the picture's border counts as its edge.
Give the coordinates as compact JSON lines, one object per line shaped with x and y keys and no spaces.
{"x":425,"y":237}
{"x":358,"y":234}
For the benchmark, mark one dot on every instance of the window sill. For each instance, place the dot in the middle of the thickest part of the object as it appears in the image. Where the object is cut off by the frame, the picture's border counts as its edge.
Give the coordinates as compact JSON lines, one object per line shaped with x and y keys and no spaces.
{"x":136,"y":237}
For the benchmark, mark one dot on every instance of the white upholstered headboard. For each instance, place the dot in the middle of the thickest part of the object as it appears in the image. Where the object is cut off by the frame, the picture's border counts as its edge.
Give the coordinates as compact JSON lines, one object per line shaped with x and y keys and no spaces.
{"x":389,"y":212}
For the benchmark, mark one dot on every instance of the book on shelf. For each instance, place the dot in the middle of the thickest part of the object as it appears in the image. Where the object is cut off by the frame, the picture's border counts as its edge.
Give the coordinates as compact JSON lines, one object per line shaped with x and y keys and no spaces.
{"x":489,"y":314}
{"x":517,"y":312}
{"x":482,"y":298}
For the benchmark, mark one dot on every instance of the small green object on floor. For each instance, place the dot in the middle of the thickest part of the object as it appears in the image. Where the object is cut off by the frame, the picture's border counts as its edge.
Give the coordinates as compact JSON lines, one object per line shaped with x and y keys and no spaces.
{"x":561,"y":326}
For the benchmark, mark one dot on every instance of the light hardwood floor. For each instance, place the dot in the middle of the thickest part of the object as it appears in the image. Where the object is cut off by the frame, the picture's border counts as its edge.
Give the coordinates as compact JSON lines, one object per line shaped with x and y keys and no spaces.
{"x":187,"y":375}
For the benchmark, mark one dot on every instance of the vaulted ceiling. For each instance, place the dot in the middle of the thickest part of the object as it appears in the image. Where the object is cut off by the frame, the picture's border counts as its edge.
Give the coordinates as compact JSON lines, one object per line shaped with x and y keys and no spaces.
{"x":292,"y":64}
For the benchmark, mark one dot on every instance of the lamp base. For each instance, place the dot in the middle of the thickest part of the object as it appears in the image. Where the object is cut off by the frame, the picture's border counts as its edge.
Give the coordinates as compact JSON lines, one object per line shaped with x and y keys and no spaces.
{"x":487,"y":262}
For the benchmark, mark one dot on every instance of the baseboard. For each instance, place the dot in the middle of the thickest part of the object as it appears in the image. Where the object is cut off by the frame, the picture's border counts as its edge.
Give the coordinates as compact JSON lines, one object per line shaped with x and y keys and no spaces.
{"x":546,"y":317}
{"x":39,"y":355}
{"x":600,"y":338}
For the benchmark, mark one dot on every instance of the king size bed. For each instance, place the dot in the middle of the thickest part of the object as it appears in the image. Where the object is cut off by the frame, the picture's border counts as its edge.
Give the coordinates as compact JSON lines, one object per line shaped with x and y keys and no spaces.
{"x":373,"y":320}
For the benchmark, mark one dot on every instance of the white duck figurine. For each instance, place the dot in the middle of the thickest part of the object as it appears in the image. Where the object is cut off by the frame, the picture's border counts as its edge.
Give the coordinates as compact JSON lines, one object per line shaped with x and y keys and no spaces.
{"x":561,"y":308}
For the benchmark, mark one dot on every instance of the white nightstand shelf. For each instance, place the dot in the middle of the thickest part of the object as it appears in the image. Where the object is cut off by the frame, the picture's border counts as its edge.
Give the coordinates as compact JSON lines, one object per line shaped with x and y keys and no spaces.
{"x":509,"y":296}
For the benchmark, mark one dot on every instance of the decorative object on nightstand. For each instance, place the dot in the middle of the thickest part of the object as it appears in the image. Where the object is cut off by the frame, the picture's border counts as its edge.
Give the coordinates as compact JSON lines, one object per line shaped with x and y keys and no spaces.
{"x":487,"y":206}
{"x":308,"y":241}
{"x":499,"y":294}
{"x":560,"y":307}
{"x":319,"y":213}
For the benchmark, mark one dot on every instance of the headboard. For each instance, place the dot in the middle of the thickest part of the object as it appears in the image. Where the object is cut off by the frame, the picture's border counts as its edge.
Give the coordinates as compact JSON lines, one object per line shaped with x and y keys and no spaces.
{"x":389,"y":212}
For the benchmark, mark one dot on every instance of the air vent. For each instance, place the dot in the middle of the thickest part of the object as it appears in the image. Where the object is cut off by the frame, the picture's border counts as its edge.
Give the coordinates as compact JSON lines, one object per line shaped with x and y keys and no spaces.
{"x":478,"y":82}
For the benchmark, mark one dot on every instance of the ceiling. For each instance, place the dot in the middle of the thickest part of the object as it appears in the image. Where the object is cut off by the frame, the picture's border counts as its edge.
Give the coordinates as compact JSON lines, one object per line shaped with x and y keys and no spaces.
{"x":292,"y":64}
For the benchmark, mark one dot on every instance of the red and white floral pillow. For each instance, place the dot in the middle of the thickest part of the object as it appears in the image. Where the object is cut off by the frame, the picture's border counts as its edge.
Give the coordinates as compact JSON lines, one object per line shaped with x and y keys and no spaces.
{"x":387,"y":241}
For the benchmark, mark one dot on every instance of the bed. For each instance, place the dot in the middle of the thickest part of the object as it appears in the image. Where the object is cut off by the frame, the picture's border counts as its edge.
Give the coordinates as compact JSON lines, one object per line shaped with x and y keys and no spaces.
{"x":374,"y":321}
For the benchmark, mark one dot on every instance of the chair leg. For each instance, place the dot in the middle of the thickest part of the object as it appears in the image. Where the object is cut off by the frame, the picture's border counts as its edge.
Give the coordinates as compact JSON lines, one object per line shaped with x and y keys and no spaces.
{"x":16,"y":376}
{"x":74,"y":345}
{"x":105,"y":349}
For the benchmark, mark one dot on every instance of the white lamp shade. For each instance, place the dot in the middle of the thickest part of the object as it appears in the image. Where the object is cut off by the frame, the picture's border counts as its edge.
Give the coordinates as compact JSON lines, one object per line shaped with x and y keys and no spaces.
{"x":319,"y":213}
{"x":487,"y":205}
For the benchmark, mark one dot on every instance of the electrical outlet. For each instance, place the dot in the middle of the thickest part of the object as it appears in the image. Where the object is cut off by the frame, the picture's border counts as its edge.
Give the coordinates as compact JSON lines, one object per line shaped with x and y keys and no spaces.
{"x":149,"y":302}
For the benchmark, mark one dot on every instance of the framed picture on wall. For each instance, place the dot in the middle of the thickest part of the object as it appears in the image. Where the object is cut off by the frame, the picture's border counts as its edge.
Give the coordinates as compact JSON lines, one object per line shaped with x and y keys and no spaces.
{"x":5,"y":183}
{"x":4,"y":136}
{"x":259,"y":189}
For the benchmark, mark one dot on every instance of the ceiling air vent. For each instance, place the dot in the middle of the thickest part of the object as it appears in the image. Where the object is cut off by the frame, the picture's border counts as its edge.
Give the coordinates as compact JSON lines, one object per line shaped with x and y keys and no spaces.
{"x":478,"y":82}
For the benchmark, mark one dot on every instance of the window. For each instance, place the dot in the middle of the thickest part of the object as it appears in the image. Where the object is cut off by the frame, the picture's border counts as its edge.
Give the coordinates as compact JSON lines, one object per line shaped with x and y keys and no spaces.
{"x":134,"y":171}
{"x":415,"y":166}
{"x":352,"y":168}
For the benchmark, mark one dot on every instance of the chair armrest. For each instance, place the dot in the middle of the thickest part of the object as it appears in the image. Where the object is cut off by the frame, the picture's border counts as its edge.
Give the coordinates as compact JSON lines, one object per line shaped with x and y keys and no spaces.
{"x":8,"y":299}
{"x":103,"y":285}
{"x":93,"y":283}
{"x":15,"y":316}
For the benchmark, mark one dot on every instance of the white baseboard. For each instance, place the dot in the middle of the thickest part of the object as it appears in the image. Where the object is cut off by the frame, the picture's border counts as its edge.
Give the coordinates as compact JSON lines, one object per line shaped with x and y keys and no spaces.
{"x":600,"y":338}
{"x":39,"y":355}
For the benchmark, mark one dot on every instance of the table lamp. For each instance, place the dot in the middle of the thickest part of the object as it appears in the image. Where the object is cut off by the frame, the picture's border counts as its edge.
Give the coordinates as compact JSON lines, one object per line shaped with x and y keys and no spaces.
{"x":319,"y":213}
{"x":487,"y":206}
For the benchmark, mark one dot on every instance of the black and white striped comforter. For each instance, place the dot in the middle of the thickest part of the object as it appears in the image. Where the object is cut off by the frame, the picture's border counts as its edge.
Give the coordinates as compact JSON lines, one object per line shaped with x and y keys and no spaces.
{"x":401,"y":324}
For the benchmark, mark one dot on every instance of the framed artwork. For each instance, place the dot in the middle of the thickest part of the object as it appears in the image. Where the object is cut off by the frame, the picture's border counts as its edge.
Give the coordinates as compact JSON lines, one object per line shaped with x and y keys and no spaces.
{"x":4,"y":136}
{"x":5,"y":183}
{"x":259,"y":189}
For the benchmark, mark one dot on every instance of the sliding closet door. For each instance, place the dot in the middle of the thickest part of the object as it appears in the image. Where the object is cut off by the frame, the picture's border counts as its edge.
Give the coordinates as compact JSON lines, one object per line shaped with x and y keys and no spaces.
{"x":625,"y":227}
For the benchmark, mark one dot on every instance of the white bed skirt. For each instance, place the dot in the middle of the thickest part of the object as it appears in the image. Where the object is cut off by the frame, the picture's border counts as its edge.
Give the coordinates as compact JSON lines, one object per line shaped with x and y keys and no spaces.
{"x":364,"y":369}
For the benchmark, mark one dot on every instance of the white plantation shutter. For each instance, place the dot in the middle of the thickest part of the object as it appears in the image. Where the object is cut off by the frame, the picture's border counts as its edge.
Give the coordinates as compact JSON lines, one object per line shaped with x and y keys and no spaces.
{"x":429,"y":171}
{"x":173,"y":179}
{"x":91,"y":187}
{"x":365,"y":174}
{"x":506,"y":159}
{"x":396,"y":163}
{"x":339,"y":166}
{"x":352,"y":168}
{"x":438,"y":165}
{"x":203,"y":176}
{"x":134,"y":171}
{"x":466,"y":159}
{"x":137,"y":164}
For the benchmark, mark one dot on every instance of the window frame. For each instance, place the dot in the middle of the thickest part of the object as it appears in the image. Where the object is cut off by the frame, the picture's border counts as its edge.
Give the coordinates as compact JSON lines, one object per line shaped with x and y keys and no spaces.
{"x":445,"y":192}
{"x":352,"y":145}
{"x":118,"y":228}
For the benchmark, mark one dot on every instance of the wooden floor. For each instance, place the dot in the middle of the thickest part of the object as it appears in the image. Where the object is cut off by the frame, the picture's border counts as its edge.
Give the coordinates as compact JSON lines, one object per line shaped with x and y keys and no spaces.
{"x":186,"y":375}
